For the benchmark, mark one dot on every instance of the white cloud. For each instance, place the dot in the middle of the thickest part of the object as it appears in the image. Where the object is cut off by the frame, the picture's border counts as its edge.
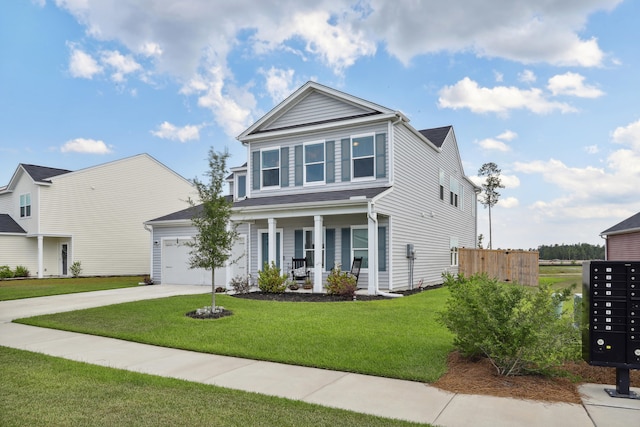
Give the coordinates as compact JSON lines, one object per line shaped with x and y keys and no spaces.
{"x":82,"y":65}
{"x":527,"y":76}
{"x":629,"y":135}
{"x":498,"y":76}
{"x":121,"y":64}
{"x":89,"y":146}
{"x":572,"y":84}
{"x":508,"y":202}
{"x":493,"y":144}
{"x":500,"y":99}
{"x":169,"y":131}
{"x":509,"y":181}
{"x":279,"y":83}
{"x":507,"y":135}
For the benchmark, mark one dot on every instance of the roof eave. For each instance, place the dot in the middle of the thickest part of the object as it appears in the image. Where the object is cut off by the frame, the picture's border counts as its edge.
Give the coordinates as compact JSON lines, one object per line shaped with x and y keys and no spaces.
{"x":627,"y":231}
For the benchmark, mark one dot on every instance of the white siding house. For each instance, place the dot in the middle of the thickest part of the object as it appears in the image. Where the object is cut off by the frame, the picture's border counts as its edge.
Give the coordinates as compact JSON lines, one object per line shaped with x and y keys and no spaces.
{"x":53,"y":217}
{"x":330,"y":177}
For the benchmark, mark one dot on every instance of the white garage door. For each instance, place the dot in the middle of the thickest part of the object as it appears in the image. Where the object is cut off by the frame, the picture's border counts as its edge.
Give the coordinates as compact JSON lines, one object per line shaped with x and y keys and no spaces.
{"x":175,"y":264}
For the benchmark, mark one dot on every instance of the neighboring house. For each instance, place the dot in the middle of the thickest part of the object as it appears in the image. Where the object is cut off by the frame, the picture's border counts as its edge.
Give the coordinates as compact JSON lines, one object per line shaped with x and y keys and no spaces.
{"x":50,"y":218}
{"x":623,"y":240}
{"x":330,"y":177}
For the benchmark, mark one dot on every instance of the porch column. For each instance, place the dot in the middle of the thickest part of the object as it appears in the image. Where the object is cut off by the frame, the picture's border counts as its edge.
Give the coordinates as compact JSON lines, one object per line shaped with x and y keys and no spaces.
{"x":372,"y":229}
{"x":272,"y":240}
{"x":40,"y":256}
{"x":317,"y":254}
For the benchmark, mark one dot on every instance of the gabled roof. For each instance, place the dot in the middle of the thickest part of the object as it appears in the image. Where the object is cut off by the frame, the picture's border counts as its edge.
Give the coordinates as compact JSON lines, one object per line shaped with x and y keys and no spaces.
{"x":184,"y":214}
{"x":354,"y":108}
{"x":42,"y":173}
{"x":630,"y":224}
{"x":436,"y":135}
{"x":8,"y":225}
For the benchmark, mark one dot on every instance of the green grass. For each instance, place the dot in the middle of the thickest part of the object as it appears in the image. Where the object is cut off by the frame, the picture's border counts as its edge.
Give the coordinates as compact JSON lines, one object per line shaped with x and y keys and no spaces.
{"x":397,"y":338}
{"x":561,"y":276}
{"x":30,"y":288}
{"x":43,"y":390}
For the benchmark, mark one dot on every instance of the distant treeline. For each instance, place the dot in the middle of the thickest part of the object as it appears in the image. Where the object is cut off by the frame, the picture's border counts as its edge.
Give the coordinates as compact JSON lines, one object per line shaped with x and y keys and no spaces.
{"x":580,"y":251}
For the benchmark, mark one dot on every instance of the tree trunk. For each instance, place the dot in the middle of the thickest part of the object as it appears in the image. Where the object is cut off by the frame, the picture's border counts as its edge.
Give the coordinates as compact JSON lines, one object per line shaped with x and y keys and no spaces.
{"x":490,"y":237}
{"x":213,"y":290}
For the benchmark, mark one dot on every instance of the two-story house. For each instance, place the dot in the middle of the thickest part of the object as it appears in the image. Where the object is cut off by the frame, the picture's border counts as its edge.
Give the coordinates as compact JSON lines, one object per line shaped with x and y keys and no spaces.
{"x":50,"y":217}
{"x":330,"y":177}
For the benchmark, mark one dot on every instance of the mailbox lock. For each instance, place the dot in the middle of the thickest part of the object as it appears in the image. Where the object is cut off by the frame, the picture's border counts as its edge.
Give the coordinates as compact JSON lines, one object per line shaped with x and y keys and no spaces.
{"x":637,"y":352}
{"x":600,"y":341}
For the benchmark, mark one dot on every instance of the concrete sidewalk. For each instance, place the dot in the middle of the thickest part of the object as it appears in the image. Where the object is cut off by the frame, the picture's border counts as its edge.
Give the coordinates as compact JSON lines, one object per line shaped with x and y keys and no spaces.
{"x":361,"y":393}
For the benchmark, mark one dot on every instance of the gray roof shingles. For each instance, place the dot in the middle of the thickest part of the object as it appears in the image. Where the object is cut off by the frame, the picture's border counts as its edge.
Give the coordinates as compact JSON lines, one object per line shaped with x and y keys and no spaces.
{"x":631,"y":223}
{"x":8,"y":225}
{"x":324,"y":196}
{"x":42,"y":173}
{"x":436,"y":135}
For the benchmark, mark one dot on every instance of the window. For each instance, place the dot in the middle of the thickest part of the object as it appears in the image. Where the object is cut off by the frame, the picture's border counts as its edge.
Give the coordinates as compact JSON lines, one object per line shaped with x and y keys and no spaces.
{"x":360,"y":245}
{"x":363,"y":157}
{"x":441,"y":184}
{"x":309,"y":247}
{"x":241,"y":186}
{"x":453,"y":245}
{"x":454,"y":191}
{"x":263,"y":248}
{"x":314,"y":163}
{"x":271,"y":168}
{"x":25,"y":205}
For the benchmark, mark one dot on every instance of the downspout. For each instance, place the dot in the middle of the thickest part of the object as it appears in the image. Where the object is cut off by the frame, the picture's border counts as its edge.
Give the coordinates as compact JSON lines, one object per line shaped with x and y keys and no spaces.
{"x":373,"y":217}
{"x":150,"y":230}
{"x":606,"y":249}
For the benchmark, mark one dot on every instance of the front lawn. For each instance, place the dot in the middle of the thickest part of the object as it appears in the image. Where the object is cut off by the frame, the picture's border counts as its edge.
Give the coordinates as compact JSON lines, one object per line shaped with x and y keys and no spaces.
{"x":31,"y":288}
{"x":48,"y":391}
{"x":397,"y":338}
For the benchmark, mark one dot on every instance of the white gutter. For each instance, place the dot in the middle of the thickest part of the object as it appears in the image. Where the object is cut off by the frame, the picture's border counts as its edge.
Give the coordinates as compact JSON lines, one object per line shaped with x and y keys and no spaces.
{"x":374,"y":218}
{"x":150,"y":230}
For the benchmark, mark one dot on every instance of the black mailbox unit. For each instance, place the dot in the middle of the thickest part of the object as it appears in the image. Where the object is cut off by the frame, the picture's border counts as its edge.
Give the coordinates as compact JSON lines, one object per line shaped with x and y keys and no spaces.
{"x":611,"y":310}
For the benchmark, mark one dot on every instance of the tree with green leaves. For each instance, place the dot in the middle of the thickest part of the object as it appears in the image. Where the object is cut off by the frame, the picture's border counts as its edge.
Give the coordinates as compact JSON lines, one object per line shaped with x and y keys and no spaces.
{"x":212,"y":245}
{"x":490,"y":195}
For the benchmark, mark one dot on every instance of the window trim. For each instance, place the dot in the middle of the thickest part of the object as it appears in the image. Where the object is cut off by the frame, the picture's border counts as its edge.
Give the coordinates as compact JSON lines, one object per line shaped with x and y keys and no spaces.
{"x":305,"y":183}
{"x":454,"y":253}
{"x":372,"y":156}
{"x":353,"y":249}
{"x":324,"y":244}
{"x":262,"y":169}
{"x":280,"y":231}
{"x":237,"y":185}
{"x":26,"y":206}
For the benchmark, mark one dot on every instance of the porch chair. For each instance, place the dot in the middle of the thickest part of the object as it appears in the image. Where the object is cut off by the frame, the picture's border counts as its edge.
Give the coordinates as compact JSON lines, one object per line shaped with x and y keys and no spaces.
{"x":299,"y":270}
{"x":355,"y":268}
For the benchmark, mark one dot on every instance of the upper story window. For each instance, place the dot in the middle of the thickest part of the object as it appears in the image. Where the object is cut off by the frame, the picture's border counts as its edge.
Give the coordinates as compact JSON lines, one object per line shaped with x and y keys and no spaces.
{"x":453,"y":251}
{"x":241,"y":186}
{"x":270,"y":168}
{"x":441,"y":184}
{"x":314,"y":163}
{"x":454,"y":191}
{"x":25,"y":205}
{"x":363,"y":155}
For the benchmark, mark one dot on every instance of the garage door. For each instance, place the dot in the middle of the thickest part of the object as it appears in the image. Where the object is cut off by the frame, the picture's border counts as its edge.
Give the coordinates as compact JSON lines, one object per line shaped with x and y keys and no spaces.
{"x":175,"y":265}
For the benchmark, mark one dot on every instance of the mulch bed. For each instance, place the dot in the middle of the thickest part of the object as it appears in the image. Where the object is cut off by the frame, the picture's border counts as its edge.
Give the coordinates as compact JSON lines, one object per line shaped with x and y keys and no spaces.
{"x":316,"y":297}
{"x":479,"y":377}
{"x":218,"y":314}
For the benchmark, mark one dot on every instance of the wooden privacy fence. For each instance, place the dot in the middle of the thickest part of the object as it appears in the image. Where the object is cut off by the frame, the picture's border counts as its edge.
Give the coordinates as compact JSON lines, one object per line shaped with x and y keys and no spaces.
{"x":506,"y":266}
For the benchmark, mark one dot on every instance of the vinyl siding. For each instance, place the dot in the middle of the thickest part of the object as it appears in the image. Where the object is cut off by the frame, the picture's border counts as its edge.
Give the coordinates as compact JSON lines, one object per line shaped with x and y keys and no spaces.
{"x":25,"y":185}
{"x":623,"y":247}
{"x":314,"y":108}
{"x":415,"y":196}
{"x":335,"y":135}
{"x":6,"y":203}
{"x":18,"y":250}
{"x":104,"y":208}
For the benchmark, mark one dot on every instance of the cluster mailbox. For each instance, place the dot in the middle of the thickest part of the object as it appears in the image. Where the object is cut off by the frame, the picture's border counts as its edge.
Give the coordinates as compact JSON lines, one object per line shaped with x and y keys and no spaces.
{"x":611,"y":308}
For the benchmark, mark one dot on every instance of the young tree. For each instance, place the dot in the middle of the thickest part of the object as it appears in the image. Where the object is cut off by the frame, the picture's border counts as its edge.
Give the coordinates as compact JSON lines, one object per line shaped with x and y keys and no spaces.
{"x":212,"y":245}
{"x":490,"y":195}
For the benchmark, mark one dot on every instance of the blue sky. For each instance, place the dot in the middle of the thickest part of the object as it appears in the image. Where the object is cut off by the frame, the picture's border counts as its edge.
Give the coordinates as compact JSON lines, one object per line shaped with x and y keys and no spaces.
{"x":548,"y":90}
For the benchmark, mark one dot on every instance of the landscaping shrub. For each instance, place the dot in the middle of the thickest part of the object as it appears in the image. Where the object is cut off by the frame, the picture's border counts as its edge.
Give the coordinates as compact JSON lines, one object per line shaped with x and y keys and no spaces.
{"x":76,"y":269}
{"x":5,"y":272}
{"x":341,"y":283}
{"x":270,"y":280}
{"x":515,"y":327}
{"x":240,"y":284}
{"x":21,"y":271}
